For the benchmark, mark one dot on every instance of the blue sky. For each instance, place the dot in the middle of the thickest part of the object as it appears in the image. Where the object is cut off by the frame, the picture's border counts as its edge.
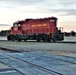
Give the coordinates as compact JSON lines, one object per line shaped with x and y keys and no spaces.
{"x":13,"y":10}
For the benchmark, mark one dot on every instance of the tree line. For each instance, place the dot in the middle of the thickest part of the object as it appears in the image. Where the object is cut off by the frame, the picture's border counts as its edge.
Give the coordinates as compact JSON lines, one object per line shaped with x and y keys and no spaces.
{"x":72,"y":33}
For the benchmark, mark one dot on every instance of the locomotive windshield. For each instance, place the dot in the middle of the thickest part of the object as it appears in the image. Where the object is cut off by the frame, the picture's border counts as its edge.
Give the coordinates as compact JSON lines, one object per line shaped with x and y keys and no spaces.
{"x":52,"y":20}
{"x":14,"y":25}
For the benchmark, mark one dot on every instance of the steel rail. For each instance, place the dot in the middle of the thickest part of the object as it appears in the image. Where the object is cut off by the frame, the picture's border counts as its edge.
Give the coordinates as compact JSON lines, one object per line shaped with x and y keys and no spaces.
{"x":32,"y":64}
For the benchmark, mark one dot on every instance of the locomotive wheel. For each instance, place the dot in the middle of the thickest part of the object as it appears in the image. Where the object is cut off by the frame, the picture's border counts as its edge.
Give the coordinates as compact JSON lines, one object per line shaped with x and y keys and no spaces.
{"x":53,"y":40}
{"x":38,"y":40}
{"x":48,"y":40}
{"x":13,"y":38}
{"x":44,"y":40}
{"x":25,"y":40}
{"x":8,"y":38}
{"x":19,"y":39}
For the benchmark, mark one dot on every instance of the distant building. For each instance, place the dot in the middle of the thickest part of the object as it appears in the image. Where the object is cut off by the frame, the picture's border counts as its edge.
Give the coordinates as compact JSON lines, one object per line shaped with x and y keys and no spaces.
{"x":4,"y":32}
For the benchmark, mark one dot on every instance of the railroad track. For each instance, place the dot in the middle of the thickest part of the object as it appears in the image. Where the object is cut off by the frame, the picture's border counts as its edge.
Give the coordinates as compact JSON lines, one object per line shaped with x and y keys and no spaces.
{"x":51,"y":72}
{"x":56,"y":58}
{"x":37,"y":54}
{"x":36,"y":65}
{"x":10,"y":50}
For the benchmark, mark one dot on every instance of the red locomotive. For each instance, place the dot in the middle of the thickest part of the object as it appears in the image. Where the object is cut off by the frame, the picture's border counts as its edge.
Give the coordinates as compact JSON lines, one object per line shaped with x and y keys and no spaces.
{"x":36,"y":29}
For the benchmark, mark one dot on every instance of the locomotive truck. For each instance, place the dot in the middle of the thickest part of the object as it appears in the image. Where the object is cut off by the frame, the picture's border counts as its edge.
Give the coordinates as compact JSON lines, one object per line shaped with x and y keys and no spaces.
{"x":36,"y":29}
